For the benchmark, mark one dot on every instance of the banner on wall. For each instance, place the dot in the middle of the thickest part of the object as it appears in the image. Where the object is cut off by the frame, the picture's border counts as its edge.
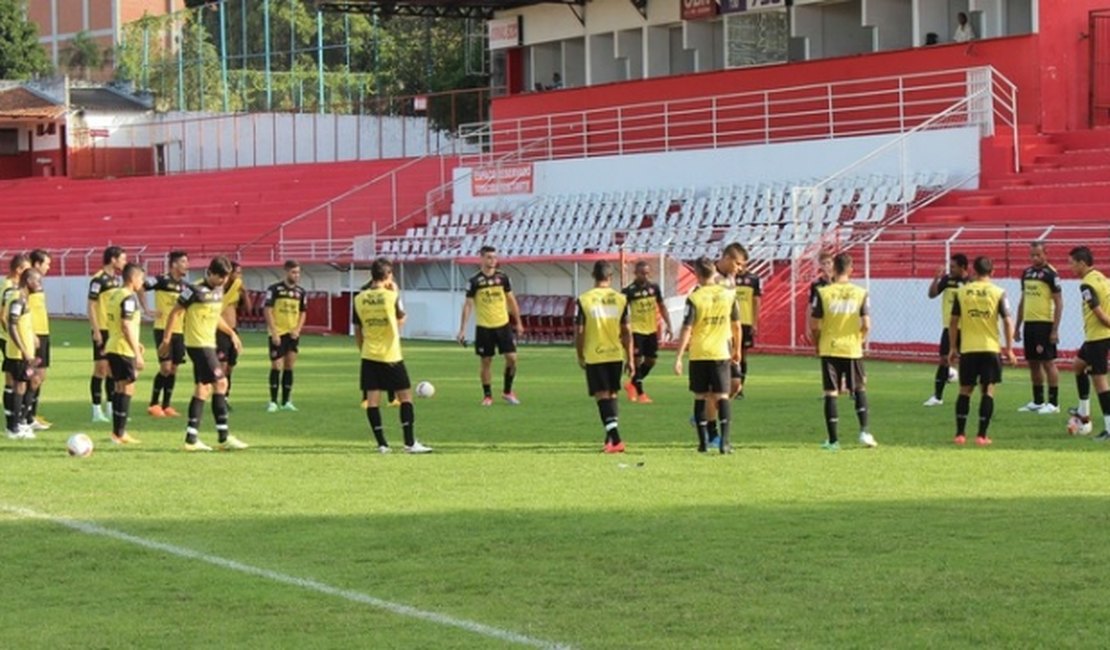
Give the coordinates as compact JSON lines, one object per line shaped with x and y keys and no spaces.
{"x":507,"y":179}
{"x":737,"y":6}
{"x":504,"y":33}
{"x":698,"y":9}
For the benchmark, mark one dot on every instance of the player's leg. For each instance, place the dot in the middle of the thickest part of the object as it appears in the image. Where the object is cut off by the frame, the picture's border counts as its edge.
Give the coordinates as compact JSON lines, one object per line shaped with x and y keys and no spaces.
{"x":830,"y":384}
{"x":1102,"y":388}
{"x":940,"y":379}
{"x":203,"y":377}
{"x":1081,"y":367}
{"x":986,"y":412}
{"x":1052,"y":378}
{"x":856,"y":379}
{"x":288,"y":362}
{"x":11,"y":422}
{"x":397,"y":378}
{"x":969,"y":376}
{"x":220,"y":413}
{"x":276,"y":367}
{"x":177,"y":357}
{"x":506,"y":346}
{"x":485,"y":372}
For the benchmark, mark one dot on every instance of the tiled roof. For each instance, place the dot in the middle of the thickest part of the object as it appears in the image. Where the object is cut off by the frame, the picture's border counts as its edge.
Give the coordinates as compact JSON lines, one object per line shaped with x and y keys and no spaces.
{"x":20,"y":103}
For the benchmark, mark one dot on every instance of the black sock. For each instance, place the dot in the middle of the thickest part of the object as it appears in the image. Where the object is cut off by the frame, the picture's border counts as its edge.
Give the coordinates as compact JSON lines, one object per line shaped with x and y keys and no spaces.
{"x":27,"y":415}
{"x":963,"y":407}
{"x":374,"y":415}
{"x":227,"y":393}
{"x":35,"y":403}
{"x":743,"y":370}
{"x":986,"y":410}
{"x":196,"y":410}
{"x":1038,"y":393}
{"x":286,"y":385}
{"x":607,"y":409}
{"x":96,"y":388}
{"x":832,"y":418}
{"x":1054,"y":395}
{"x":507,"y":380}
{"x":699,"y":421}
{"x":724,"y":417}
{"x":110,"y":391}
{"x":407,"y":419}
{"x":275,"y":381}
{"x":219,"y":412}
{"x":1083,"y":385}
{"x":9,"y":402}
{"x":711,"y":431}
{"x":168,"y":383}
{"x":487,"y":391}
{"x":1104,"y":403}
{"x":939,"y":381}
{"x":17,"y":407}
{"x":861,"y":409}
{"x":390,"y":396}
{"x":638,"y":379}
{"x":156,"y":393}
{"x":119,"y":413}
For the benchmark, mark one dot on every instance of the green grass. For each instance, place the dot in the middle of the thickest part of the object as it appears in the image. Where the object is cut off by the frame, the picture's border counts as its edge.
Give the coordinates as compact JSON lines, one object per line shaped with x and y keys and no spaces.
{"x":518,"y":522}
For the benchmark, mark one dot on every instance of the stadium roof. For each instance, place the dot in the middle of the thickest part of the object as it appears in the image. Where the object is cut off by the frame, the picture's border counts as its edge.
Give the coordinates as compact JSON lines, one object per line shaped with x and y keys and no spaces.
{"x":434,"y":8}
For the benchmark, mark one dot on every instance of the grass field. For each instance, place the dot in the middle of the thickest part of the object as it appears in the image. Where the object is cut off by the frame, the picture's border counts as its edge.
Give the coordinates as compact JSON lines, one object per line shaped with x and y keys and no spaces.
{"x":517,"y":531}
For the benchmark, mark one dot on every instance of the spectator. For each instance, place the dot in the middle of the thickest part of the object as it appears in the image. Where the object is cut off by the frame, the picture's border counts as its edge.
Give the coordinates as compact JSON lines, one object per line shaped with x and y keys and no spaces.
{"x":556,"y":81}
{"x":964,"y":31}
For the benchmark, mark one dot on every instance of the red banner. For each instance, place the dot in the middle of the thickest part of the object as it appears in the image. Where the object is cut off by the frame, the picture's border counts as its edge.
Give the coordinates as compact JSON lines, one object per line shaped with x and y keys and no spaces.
{"x":698,"y":9}
{"x":506,"y":179}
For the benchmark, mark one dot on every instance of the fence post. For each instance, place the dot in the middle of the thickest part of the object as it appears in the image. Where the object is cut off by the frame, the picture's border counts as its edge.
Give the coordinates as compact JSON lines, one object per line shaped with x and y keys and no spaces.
{"x":393,"y":193}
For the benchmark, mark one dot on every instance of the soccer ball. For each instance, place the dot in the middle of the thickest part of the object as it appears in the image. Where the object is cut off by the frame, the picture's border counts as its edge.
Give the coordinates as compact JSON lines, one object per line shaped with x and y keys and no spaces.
{"x":79,"y":445}
{"x":1077,"y":427}
{"x":953,"y":375}
{"x":425,"y":389}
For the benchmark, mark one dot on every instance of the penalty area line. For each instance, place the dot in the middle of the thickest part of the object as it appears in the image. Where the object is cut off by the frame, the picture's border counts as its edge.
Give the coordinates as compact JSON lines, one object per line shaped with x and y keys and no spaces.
{"x":399,"y":609}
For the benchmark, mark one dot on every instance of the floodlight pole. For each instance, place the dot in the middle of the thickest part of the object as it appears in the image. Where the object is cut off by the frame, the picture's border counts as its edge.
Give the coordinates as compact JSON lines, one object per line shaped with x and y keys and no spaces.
{"x":320,"y":60}
{"x":266,"y":40}
{"x":223,"y":53}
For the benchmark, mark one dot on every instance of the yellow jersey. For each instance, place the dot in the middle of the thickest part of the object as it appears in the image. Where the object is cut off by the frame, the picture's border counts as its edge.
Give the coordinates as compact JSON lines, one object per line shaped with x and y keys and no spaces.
{"x":710,"y":312}
{"x":19,"y":321}
{"x":948,"y":287}
{"x":203,"y":307}
{"x":233,"y":294}
{"x":166,"y":292}
{"x":1095,"y":290}
{"x":980,"y":305}
{"x":644,"y":302}
{"x":99,"y":286}
{"x":287,"y":303}
{"x":490,"y":295}
{"x":377,"y":311}
{"x":601,"y":313}
{"x":841,"y":307}
{"x":123,"y":313}
{"x":40,"y":318}
{"x":748,"y":288}
{"x":1038,"y":286}
{"x":8,"y":292}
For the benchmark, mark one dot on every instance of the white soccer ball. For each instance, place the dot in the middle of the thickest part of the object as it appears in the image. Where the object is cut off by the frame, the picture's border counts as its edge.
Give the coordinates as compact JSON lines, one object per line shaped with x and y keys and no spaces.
{"x":1077,"y":427}
{"x":953,"y":375}
{"x":425,"y":389}
{"x":79,"y":445}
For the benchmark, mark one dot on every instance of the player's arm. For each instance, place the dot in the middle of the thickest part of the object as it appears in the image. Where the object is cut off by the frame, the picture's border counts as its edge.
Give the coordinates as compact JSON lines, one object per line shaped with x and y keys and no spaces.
{"x":684,"y":336}
{"x":954,"y":332}
{"x":580,"y":334}
{"x":755,"y":314}
{"x":15,"y":312}
{"x":514,"y":312}
{"x":128,"y":334}
{"x":937,"y":285}
{"x":268,"y":314}
{"x":1057,"y":312}
{"x":400,"y":314}
{"x":91,"y":310}
{"x":1020,"y":314}
{"x":1091,"y":298}
{"x":223,"y":326}
{"x":356,"y":322}
{"x":734,"y":324}
{"x":467,"y":308}
{"x":626,"y":341}
{"x":175,"y":315}
{"x":1007,"y":329}
{"x":816,"y":315}
{"x":661,"y":307}
{"x":302,"y":318}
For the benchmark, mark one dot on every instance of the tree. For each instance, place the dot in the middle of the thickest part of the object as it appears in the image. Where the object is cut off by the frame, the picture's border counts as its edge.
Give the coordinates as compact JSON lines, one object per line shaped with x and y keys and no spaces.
{"x":83,"y":54}
{"x":21,"y":55}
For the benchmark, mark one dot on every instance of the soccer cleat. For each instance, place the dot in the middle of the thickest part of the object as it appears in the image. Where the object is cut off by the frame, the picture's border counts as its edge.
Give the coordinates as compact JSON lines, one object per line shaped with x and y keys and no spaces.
{"x":272,"y":407}
{"x":983,"y":441}
{"x":1031,"y":407}
{"x":726,"y":448}
{"x":630,"y":389}
{"x":385,"y":449}
{"x":644,"y":399}
{"x":614,"y":449}
{"x":395,"y":402}
{"x":510,"y":398}
{"x":487,"y":401}
{"x":867,"y":440}
{"x":417,"y":448}
{"x":155,"y":411}
{"x":233,"y":444}
{"x":1102,"y":437}
{"x":933,"y":401}
{"x":171,"y":412}
{"x":38,"y":426}
{"x":98,"y":415}
{"x":288,"y":406}
{"x":365,"y":404}
{"x":830,"y":446}
{"x":18,"y":434}
{"x":960,"y":439}
{"x":196,"y":446}
{"x":125,"y":439}
{"x":715,"y":441}
{"x":1048,"y":409}
{"x":701,"y":449}
{"x":43,"y":422}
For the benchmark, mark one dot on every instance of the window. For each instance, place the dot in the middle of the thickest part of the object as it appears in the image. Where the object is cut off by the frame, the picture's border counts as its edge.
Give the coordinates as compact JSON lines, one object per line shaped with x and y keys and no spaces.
{"x":9,"y":142}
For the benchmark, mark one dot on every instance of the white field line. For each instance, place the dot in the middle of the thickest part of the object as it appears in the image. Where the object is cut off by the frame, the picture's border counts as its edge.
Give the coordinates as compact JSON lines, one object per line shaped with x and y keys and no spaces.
{"x":89,"y":528}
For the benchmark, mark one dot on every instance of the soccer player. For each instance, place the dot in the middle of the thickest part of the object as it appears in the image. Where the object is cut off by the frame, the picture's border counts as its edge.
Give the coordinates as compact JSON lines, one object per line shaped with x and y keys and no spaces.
{"x":1039,"y":308}
{"x":825,"y":274}
{"x":19,"y":362}
{"x":977,"y":310}
{"x":946,"y":284}
{"x":645,"y":304}
{"x":123,"y":350}
{"x":40,"y":322}
{"x":378,"y":316}
{"x":839,"y":320}
{"x":200,"y":305}
{"x":732,"y":261}
{"x":234,"y":298}
{"x":489,"y":294}
{"x":711,"y":331}
{"x":1090,"y":361}
{"x":104,"y":280}
{"x":748,"y":295}
{"x":9,"y":291}
{"x":285,"y":311}
{"x":603,"y":340}
{"x":167,"y":289}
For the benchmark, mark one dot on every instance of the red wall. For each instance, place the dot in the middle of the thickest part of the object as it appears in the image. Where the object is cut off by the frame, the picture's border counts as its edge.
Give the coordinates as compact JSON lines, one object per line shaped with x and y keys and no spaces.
{"x":18,"y":166}
{"x":1065,"y":68}
{"x":102,"y":162}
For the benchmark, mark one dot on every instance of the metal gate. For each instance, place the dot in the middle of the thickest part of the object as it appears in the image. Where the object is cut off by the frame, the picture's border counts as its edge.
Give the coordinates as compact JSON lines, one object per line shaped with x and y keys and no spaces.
{"x":1100,"y":68}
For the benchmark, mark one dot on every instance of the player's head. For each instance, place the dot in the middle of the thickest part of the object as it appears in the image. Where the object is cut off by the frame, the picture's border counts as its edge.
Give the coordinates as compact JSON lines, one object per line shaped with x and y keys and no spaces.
{"x":292,"y":271}
{"x":825,"y":262}
{"x":733,"y":259}
{"x":381,"y":270}
{"x":20,"y":262}
{"x":489,"y":257}
{"x":218,"y":270}
{"x":983,"y":266}
{"x":179,"y":262}
{"x":30,"y":279}
{"x":236,"y":273}
{"x":1037,"y":254}
{"x":705,"y":269}
{"x":842,"y":264}
{"x":957,"y":265}
{"x":115,"y":257}
{"x":40,"y":260}
{"x":602,"y":271}
{"x":1081,"y":260}
{"x":133,"y":275}
{"x":642,"y":272}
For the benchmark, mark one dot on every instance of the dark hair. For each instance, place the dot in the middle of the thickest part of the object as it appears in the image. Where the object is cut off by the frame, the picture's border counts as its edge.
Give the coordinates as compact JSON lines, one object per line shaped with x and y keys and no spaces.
{"x":29,"y":273}
{"x":825,"y":254}
{"x":112,"y":254}
{"x":235,"y":265}
{"x":18,"y":260}
{"x":642,"y":264}
{"x":705,"y":268}
{"x":1082,"y":254}
{"x":1038,"y":243}
{"x":220,"y":266}
{"x":291,"y":264}
{"x":38,"y":256}
{"x":960,"y":259}
{"x":735,"y":248}
{"x":177,"y":255}
{"x":486,"y":249}
{"x":603,"y":270}
{"x":380,"y":269}
{"x":130,"y":270}
{"x":841,"y":263}
{"x":983,"y":265}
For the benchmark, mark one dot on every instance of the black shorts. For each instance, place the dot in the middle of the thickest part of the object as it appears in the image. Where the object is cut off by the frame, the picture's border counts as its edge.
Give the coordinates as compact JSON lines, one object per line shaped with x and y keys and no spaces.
{"x":206,"y":367}
{"x":98,"y":350}
{"x":946,"y":345}
{"x":18,"y":369}
{"x":838,"y":371}
{"x":286,"y":344}
{"x":1093,"y":353}
{"x":42,"y":352}
{"x":4,"y":348}
{"x":747,"y":337}
{"x":604,"y":377}
{"x":981,"y":368}
{"x":1036,"y":336}
{"x":378,"y":375}
{"x":710,"y":377}
{"x":734,"y":371}
{"x":645,"y":345}
{"x":226,"y":352}
{"x":488,"y":339}
{"x":122,"y":368}
{"x":176,"y":354}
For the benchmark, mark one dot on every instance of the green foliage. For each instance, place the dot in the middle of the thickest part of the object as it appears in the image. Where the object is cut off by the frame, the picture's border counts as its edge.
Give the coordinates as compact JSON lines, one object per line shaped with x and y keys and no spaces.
{"x":83,"y":54}
{"x":21,"y":55}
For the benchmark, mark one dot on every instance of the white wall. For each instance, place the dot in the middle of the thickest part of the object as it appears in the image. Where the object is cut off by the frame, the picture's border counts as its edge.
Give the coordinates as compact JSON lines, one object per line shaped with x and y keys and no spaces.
{"x":892,"y":22}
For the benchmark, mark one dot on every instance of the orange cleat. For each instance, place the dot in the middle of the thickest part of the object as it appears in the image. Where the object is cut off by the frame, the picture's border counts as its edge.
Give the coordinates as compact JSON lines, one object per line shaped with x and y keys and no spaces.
{"x":644,"y":399}
{"x":156,"y":411}
{"x":983,"y":441}
{"x":125,"y":439}
{"x":630,"y":388}
{"x":170,"y":412}
{"x":960,"y":439}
